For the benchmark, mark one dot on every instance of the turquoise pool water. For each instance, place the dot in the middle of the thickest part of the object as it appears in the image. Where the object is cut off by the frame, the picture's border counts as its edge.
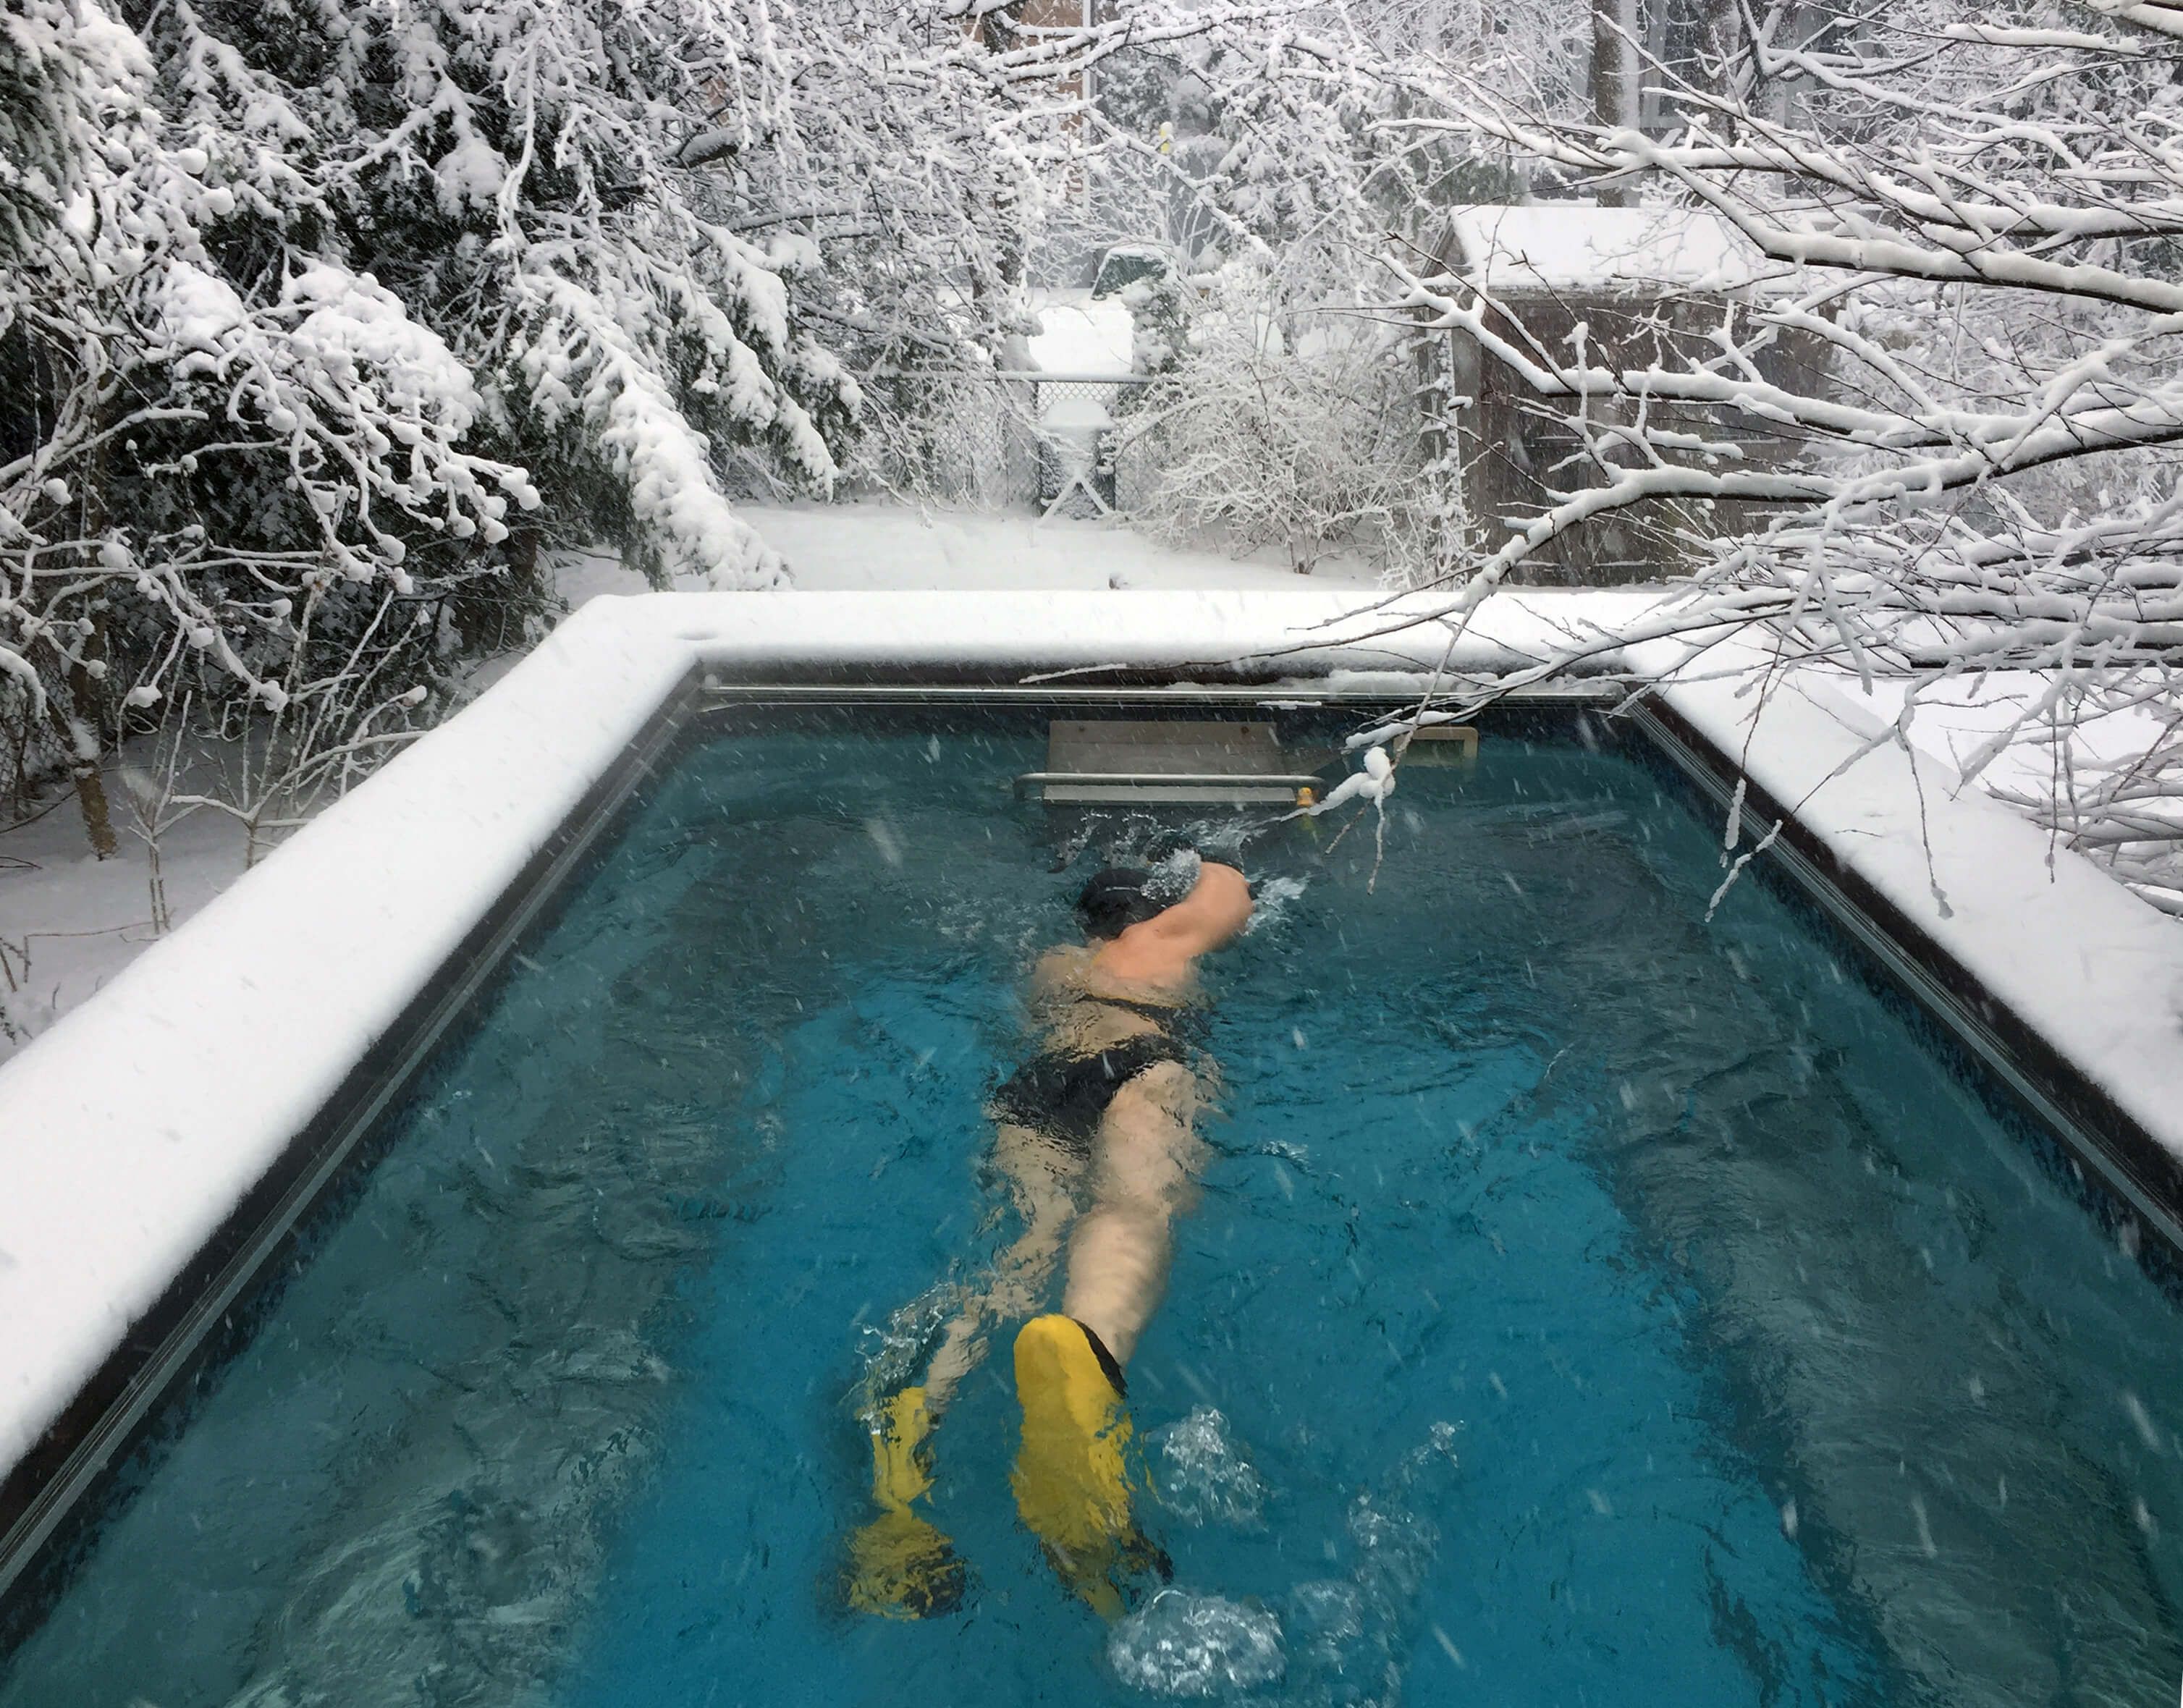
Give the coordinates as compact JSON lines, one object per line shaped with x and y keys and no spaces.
{"x":1587,"y":1304}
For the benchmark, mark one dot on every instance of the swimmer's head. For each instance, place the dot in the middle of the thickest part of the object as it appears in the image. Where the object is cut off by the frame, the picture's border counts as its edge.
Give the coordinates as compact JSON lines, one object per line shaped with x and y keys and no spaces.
{"x":1115,"y":900}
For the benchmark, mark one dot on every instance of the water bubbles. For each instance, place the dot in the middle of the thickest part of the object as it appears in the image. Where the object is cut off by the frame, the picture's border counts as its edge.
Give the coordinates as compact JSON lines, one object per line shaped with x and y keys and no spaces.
{"x":1175,"y":875}
{"x":894,"y":1354}
{"x":1204,"y":1477}
{"x":1326,"y":1617}
{"x":1182,"y":1644}
{"x":1393,"y":1546}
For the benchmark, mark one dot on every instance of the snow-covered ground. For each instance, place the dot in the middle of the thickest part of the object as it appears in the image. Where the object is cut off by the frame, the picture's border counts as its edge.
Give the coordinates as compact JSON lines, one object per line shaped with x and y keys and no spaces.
{"x":69,"y":922}
{"x":1081,"y":334}
{"x":854,"y":547}
{"x":1958,"y":721}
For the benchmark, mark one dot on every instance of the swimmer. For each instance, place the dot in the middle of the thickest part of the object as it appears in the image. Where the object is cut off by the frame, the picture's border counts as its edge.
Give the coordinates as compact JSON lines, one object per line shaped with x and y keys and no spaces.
{"x":1102,"y":1115}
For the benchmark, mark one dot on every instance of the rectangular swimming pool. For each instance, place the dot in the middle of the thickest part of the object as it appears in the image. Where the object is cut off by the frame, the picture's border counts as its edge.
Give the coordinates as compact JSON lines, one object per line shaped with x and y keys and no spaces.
{"x":1587,"y":1303}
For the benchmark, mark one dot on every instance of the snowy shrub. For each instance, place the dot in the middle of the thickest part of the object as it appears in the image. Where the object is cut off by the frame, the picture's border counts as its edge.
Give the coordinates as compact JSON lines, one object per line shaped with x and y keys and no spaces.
{"x":1273,"y":428}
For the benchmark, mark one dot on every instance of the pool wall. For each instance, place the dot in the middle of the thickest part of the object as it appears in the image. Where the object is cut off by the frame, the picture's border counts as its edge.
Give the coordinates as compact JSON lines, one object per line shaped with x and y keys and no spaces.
{"x":153,"y":1142}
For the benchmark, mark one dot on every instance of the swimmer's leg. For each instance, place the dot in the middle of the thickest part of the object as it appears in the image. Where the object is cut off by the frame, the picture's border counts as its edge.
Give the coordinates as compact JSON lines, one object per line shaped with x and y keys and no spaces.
{"x":1073,"y":1472}
{"x":900,"y":1566}
{"x":1146,"y":1164}
{"x":1043,"y":1177}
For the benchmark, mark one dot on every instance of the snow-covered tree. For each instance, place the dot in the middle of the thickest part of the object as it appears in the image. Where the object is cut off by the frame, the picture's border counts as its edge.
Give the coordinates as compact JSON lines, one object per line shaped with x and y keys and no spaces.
{"x":1973,"y":217}
{"x":192,"y":478}
{"x":319,"y":320}
{"x":1980,"y":220}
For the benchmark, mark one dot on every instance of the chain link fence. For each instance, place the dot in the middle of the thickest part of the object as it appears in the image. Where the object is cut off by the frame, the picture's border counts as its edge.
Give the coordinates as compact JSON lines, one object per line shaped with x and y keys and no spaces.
{"x":1055,"y":445}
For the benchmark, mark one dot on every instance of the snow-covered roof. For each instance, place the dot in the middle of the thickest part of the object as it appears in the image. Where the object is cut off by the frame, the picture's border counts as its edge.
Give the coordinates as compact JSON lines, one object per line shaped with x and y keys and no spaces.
{"x":1081,"y":336}
{"x":1578,"y":246}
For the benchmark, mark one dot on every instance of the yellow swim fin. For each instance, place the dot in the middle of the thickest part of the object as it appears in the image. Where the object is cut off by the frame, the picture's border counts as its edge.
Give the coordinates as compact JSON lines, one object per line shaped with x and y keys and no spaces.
{"x":900,"y":1566}
{"x":1073,"y":1472}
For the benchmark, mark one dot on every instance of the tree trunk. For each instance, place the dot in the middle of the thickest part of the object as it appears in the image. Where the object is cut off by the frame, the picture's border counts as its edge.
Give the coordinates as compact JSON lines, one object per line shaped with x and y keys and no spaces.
{"x":1614,"y":81}
{"x":79,"y":734}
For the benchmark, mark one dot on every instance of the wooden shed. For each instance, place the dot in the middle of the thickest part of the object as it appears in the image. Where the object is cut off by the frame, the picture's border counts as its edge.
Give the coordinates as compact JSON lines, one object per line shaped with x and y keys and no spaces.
{"x":1648,"y":287}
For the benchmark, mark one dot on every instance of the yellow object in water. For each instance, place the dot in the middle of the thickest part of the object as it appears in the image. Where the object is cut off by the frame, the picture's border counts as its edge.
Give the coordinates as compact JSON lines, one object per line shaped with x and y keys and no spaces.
{"x":900,"y":1566}
{"x":1072,"y":1473}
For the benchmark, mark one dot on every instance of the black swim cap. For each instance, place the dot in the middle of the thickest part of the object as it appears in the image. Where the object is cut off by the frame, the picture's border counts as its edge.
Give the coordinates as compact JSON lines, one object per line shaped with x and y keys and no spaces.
{"x":1115,"y":900}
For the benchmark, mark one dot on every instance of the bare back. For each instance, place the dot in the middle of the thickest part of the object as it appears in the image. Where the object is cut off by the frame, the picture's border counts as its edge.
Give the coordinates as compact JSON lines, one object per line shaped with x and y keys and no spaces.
{"x":1088,"y":996}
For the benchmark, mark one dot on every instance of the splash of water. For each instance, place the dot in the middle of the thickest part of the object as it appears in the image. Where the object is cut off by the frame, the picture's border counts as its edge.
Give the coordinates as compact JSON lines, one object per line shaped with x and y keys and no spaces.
{"x":1182,"y":1644}
{"x":1271,"y":900}
{"x":1204,"y":1477}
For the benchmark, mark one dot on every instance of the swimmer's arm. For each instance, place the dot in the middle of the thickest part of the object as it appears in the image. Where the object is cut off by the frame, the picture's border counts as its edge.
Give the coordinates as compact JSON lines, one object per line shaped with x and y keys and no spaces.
{"x":1217,"y":908}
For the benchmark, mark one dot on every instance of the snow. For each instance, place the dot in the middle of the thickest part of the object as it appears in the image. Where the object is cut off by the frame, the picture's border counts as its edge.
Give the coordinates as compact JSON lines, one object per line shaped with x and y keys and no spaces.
{"x":469,"y":174}
{"x":648,"y":439}
{"x":1084,"y":415}
{"x":69,"y":922}
{"x":358,"y":332}
{"x":1956,"y":719}
{"x":1560,"y":246}
{"x":1078,"y":335}
{"x":847,"y":547}
{"x":2096,"y":973}
{"x":198,"y":313}
{"x":132,"y":1127}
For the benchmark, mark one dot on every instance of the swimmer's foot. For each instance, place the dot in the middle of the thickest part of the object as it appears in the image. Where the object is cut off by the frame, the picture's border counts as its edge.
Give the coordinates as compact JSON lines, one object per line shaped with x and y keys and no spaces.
{"x":900,"y":1566}
{"x":1072,"y":1475}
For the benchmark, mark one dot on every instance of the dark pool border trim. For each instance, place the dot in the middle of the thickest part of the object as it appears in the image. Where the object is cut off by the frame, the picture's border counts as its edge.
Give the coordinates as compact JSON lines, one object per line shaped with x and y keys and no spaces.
{"x":1289,"y":681}
{"x":2142,"y":1175}
{"x":46,"y":1492}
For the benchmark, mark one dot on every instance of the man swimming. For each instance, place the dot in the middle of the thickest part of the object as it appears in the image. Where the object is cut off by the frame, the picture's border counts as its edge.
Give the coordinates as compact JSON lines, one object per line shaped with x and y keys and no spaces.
{"x":1101,"y":1114}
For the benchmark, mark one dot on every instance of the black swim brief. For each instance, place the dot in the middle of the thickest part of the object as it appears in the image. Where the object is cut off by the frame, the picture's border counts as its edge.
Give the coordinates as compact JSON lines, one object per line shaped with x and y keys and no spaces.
{"x":1064,"y":1097}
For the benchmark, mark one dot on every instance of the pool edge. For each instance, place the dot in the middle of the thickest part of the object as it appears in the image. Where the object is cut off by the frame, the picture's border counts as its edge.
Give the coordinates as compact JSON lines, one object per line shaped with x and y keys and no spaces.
{"x":2130,"y":1161}
{"x":706,"y":638}
{"x":58,"y":1479}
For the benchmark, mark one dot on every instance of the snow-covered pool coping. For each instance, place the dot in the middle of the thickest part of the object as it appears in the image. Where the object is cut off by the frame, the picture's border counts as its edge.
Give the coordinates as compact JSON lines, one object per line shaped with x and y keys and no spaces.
{"x":131,"y":1131}
{"x":2045,"y":947}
